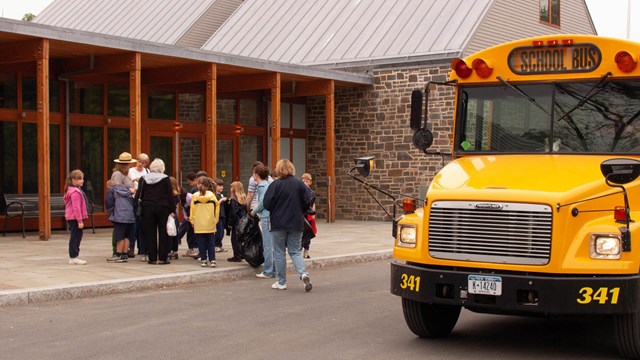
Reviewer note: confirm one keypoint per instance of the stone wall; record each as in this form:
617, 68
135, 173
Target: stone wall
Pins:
375, 121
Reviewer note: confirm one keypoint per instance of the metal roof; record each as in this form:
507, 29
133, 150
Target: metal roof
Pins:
334, 32
161, 21
73, 43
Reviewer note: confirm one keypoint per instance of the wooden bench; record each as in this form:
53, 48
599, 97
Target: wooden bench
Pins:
26, 206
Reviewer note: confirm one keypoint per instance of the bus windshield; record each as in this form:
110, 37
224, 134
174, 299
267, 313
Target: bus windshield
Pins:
562, 117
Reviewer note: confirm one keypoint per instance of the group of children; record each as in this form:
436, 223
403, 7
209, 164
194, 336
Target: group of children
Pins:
207, 215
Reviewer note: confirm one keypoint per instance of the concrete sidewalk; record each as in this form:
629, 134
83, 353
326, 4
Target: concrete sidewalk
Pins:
33, 271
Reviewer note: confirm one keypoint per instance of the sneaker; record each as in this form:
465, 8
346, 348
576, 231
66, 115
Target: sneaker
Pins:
234, 259
124, 258
143, 257
305, 254
203, 263
131, 253
77, 261
115, 259
212, 263
264, 276
278, 286
307, 282
195, 254
221, 249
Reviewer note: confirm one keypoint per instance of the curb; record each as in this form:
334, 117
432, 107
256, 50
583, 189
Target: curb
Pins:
110, 287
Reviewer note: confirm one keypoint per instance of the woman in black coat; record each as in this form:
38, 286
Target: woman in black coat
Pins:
158, 203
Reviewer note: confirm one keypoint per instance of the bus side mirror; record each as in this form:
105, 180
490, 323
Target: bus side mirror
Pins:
620, 171
416, 109
364, 165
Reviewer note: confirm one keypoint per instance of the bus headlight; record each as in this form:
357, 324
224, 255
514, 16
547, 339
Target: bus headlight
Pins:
406, 235
605, 246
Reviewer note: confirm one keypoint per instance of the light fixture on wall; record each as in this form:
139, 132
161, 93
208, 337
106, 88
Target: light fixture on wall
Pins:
177, 125
22, 115
107, 120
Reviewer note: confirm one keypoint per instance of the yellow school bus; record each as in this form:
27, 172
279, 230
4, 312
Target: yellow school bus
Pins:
538, 212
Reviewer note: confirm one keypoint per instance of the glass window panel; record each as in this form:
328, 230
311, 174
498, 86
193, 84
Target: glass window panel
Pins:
190, 157
86, 153
285, 115
299, 120
285, 146
226, 111
54, 158
250, 112
30, 95
162, 105
119, 141
86, 98
9, 156
191, 107
544, 10
162, 148
299, 157
8, 91
224, 162
118, 100
29, 158
251, 150
30, 166
54, 95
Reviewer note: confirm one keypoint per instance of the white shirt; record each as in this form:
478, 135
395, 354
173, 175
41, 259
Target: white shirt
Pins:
134, 174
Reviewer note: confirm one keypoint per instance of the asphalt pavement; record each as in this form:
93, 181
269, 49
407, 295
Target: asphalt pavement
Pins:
32, 270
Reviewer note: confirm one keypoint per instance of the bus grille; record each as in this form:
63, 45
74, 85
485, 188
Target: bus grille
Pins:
508, 233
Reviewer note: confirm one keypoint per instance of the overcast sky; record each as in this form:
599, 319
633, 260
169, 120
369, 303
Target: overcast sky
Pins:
609, 16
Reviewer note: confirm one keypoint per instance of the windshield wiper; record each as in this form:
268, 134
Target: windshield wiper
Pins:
523, 94
587, 96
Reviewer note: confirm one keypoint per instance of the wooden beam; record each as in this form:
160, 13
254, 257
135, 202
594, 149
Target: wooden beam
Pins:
249, 82
44, 161
275, 121
308, 88
20, 51
176, 75
103, 64
211, 137
331, 153
135, 108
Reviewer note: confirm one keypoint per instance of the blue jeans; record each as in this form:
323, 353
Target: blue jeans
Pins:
291, 240
267, 244
205, 244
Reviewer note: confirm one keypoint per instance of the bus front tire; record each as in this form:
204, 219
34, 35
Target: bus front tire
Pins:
430, 320
627, 333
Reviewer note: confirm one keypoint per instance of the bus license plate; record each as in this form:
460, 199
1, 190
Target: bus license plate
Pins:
485, 285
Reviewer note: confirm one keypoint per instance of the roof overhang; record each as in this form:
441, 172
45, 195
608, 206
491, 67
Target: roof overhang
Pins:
73, 43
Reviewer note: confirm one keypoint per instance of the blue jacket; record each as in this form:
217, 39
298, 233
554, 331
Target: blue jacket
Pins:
261, 190
119, 205
287, 200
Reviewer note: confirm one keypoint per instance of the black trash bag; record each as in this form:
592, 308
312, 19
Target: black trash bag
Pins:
250, 239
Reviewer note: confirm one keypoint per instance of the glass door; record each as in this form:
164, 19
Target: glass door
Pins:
162, 145
226, 158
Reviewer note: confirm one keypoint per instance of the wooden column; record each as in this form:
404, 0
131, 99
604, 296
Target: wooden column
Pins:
44, 174
275, 121
331, 152
135, 95
212, 122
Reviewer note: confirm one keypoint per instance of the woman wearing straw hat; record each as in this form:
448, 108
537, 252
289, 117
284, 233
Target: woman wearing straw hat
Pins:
120, 207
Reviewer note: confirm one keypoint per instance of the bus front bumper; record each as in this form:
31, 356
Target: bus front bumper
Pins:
495, 292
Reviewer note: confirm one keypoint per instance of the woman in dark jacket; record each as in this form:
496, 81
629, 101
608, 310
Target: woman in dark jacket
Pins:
158, 203
287, 200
